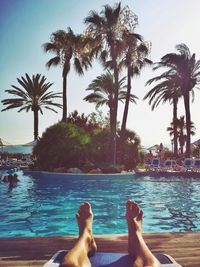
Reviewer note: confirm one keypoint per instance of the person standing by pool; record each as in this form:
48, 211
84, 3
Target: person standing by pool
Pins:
149, 157
85, 246
161, 153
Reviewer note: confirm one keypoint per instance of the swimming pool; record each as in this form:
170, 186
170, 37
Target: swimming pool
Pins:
45, 205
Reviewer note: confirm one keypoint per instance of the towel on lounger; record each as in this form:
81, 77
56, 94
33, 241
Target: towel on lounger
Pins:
108, 259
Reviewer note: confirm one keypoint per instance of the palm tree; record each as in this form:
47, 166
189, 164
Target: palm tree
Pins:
106, 30
33, 95
184, 65
131, 156
181, 127
134, 60
103, 88
68, 47
167, 90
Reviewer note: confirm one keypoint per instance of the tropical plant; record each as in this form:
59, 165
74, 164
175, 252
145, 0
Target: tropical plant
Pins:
106, 31
75, 146
167, 90
181, 134
187, 70
135, 58
103, 88
68, 147
68, 47
33, 95
132, 154
83, 121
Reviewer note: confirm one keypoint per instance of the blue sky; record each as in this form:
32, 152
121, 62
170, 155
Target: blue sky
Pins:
25, 25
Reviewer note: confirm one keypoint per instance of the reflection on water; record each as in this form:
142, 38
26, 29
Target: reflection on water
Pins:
44, 206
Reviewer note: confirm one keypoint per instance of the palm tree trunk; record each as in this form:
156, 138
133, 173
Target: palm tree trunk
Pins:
188, 122
114, 126
112, 132
35, 114
64, 118
175, 127
125, 114
181, 141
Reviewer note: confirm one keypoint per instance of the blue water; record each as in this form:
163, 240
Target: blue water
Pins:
17, 149
46, 206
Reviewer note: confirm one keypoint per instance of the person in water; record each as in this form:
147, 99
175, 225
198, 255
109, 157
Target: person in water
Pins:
85, 246
13, 180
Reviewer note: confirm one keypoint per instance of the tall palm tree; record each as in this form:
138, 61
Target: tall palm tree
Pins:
135, 58
68, 47
103, 93
166, 91
33, 95
187, 69
106, 30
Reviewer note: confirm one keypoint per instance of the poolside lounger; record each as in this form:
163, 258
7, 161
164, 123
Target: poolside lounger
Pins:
169, 164
188, 164
196, 165
108, 259
155, 164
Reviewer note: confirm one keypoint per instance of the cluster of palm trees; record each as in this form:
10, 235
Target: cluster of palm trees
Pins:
110, 36
180, 133
181, 77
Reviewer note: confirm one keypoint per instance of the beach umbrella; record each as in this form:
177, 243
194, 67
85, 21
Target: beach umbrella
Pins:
197, 143
155, 147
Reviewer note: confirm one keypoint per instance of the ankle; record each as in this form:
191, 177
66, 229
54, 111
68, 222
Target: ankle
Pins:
134, 232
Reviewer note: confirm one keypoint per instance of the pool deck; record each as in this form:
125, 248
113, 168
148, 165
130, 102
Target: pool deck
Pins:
35, 251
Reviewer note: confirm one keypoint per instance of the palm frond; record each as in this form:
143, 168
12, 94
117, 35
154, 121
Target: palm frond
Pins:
78, 66
93, 19
53, 61
50, 47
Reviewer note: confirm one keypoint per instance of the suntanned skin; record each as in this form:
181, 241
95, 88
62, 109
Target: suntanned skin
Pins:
86, 246
137, 247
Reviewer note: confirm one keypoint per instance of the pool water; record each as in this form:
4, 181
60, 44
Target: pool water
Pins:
46, 205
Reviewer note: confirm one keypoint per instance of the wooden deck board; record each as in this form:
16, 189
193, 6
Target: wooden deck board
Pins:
35, 251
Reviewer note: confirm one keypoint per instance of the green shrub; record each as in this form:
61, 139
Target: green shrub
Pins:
84, 143
62, 145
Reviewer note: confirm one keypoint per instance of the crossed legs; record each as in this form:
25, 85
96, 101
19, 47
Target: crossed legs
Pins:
86, 246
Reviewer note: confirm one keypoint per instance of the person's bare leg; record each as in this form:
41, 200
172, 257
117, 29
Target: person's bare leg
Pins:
85, 245
137, 247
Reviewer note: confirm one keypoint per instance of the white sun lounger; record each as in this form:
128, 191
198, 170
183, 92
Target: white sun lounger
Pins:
187, 164
196, 165
169, 164
155, 164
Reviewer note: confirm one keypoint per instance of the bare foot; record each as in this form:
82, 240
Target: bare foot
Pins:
134, 222
137, 247
133, 216
84, 218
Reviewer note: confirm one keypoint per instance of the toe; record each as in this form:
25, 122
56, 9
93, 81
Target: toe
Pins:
135, 209
128, 203
140, 215
84, 209
81, 209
